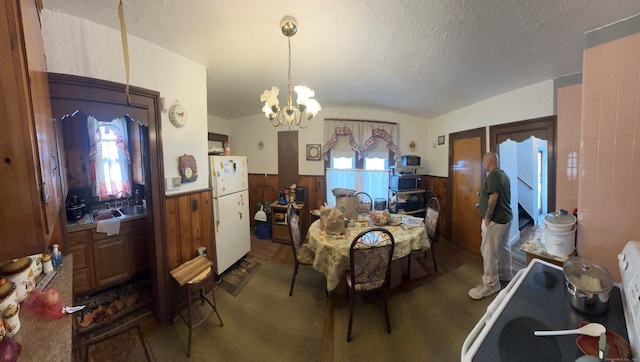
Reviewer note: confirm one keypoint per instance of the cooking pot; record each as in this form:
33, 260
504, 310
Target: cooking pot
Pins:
75, 209
559, 222
588, 285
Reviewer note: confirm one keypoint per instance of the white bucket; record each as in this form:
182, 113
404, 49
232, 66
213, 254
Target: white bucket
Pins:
560, 243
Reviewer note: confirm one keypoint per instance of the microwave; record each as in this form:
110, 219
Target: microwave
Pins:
404, 182
410, 160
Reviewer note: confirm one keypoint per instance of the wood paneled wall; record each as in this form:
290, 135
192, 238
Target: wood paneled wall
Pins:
316, 191
314, 184
188, 226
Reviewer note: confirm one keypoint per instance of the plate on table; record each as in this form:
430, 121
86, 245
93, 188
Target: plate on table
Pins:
412, 221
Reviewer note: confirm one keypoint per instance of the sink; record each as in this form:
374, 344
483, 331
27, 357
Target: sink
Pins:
106, 214
134, 210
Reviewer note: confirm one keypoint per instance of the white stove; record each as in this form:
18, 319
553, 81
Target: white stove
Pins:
535, 300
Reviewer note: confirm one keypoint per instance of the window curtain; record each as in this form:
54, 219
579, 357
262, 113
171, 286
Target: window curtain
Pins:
374, 183
109, 157
362, 135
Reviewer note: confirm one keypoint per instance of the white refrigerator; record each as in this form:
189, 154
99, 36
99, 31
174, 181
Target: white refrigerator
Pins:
231, 219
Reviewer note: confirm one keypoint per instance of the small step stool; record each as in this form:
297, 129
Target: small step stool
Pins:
193, 275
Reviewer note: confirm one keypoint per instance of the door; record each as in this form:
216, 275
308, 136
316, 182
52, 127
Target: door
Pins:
228, 174
465, 177
233, 239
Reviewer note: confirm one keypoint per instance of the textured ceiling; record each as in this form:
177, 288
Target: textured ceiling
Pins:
423, 58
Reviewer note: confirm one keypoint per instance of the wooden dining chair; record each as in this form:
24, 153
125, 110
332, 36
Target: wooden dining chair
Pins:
302, 254
370, 259
432, 215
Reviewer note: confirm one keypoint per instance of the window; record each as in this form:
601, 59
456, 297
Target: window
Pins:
358, 155
371, 177
109, 157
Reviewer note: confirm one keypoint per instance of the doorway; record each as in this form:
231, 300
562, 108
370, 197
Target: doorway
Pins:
70, 93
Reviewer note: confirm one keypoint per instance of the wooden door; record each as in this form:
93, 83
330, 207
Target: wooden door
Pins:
465, 177
111, 258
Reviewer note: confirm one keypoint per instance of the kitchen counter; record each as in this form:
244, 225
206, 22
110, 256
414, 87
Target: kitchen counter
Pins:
44, 339
87, 222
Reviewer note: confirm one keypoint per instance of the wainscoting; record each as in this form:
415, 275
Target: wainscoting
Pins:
316, 191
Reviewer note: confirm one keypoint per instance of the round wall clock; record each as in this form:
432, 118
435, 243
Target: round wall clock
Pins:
178, 115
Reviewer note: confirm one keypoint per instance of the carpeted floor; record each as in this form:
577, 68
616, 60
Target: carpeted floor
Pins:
428, 323
126, 345
238, 275
261, 324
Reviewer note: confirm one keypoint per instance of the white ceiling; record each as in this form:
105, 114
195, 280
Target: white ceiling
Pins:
423, 58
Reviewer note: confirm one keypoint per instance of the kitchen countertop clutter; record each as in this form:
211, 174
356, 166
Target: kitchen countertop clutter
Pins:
43, 338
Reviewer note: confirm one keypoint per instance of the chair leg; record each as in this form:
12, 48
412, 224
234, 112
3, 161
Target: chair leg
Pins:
293, 279
351, 303
189, 322
433, 256
386, 311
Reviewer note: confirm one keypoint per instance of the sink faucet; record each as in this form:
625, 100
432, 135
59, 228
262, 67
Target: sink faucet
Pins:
122, 195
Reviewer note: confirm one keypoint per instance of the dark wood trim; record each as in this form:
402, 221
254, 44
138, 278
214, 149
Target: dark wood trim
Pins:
478, 132
217, 137
544, 128
358, 120
73, 90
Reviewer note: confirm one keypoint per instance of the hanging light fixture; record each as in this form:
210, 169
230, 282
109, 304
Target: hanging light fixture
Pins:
291, 115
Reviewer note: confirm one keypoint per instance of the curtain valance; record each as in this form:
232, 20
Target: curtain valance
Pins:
361, 133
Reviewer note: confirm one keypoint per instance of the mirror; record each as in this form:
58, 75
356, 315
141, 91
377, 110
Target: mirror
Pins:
104, 158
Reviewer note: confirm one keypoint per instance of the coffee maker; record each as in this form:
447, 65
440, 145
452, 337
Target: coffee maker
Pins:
282, 197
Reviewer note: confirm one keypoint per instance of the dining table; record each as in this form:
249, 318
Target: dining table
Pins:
332, 251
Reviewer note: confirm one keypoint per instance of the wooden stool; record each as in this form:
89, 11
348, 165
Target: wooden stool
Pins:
194, 274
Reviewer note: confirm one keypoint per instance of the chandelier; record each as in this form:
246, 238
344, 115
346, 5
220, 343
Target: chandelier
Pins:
306, 107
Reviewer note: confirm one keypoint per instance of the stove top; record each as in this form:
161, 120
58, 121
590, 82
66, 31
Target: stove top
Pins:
537, 302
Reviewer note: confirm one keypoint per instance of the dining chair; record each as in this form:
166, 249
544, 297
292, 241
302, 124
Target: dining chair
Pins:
302, 254
431, 217
370, 260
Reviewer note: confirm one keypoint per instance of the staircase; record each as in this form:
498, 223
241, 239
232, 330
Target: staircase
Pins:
524, 219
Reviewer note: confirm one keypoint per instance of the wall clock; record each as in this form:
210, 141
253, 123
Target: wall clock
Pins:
188, 168
178, 115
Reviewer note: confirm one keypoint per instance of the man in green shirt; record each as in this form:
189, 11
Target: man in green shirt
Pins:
495, 210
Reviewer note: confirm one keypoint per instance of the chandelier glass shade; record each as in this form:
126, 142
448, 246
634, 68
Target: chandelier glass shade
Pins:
305, 108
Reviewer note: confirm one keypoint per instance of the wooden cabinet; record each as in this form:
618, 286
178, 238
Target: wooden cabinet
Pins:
280, 225
100, 260
111, 258
30, 184
80, 245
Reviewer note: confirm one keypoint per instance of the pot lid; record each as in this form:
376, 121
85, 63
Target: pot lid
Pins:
587, 274
6, 289
16, 266
558, 218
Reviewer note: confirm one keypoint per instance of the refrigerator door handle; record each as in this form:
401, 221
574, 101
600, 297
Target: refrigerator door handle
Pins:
216, 213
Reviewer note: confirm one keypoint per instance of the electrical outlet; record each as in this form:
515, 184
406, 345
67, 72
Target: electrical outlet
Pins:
194, 205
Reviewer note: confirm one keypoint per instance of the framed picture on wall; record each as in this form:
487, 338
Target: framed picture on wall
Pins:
440, 140
313, 152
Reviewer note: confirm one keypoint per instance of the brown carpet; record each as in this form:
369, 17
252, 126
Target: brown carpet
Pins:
428, 323
126, 345
238, 275
261, 324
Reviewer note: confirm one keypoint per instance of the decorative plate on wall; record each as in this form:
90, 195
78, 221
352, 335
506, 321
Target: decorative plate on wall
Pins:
313, 152
413, 146
188, 168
